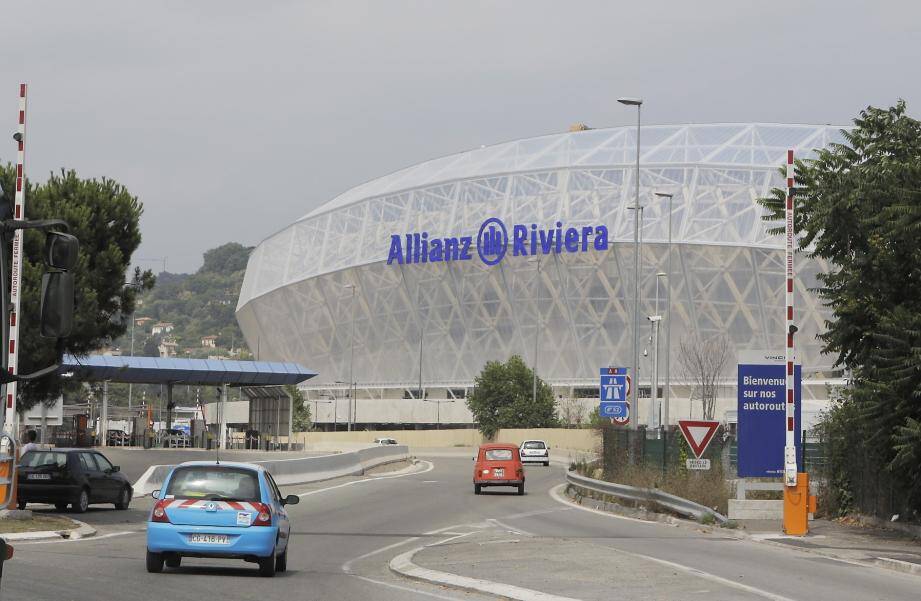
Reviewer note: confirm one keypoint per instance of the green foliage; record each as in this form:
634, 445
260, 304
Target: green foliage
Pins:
301, 420
858, 206
502, 398
199, 304
105, 217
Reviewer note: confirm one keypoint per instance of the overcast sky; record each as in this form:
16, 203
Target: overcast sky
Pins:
231, 119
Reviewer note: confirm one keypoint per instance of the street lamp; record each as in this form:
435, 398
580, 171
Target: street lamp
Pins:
668, 312
655, 319
350, 384
316, 412
438, 403
536, 333
351, 357
638, 103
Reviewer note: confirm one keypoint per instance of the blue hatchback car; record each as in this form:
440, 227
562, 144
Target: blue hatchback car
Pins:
225, 510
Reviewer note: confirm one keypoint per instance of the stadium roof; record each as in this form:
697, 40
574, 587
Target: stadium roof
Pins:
158, 370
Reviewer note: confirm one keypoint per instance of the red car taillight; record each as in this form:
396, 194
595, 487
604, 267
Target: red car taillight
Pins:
159, 512
264, 518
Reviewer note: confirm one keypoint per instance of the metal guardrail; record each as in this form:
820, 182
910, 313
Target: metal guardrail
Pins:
644, 495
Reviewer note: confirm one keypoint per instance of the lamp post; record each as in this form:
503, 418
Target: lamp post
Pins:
638, 103
137, 286
536, 334
668, 313
655, 319
350, 385
438, 403
351, 357
316, 412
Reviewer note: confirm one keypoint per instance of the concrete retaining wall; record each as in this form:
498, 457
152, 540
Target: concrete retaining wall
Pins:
584, 440
299, 470
755, 510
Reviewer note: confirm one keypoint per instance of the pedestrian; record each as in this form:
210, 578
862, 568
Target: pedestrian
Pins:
30, 445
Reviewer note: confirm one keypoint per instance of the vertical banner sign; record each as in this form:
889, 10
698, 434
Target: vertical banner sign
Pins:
790, 454
763, 414
613, 391
16, 270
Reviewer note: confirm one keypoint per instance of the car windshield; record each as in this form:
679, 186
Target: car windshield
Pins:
214, 483
498, 454
43, 458
534, 444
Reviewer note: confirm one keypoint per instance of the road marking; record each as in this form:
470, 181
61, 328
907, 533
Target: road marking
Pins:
347, 566
529, 514
429, 481
453, 538
430, 467
404, 588
701, 574
511, 529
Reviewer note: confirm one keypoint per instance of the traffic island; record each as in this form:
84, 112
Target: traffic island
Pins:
24, 525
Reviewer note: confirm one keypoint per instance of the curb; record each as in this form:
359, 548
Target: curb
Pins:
403, 565
82, 530
898, 565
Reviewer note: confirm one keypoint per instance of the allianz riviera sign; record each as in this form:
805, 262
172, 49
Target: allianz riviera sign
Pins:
492, 243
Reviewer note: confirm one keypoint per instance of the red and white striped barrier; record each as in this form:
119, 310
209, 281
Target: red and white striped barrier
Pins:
16, 271
790, 444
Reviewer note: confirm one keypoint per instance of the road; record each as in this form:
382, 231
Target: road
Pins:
345, 532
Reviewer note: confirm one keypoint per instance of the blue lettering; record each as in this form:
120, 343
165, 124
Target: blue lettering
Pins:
396, 251
601, 237
586, 233
436, 253
572, 240
546, 241
520, 234
465, 248
451, 251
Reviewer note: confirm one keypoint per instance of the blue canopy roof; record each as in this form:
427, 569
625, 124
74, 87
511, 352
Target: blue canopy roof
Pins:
158, 370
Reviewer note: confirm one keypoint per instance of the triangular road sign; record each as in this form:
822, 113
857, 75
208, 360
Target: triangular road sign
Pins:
698, 433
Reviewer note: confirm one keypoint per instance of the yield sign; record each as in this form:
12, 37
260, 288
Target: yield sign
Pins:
698, 433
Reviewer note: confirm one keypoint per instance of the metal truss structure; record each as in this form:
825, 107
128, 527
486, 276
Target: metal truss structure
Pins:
728, 276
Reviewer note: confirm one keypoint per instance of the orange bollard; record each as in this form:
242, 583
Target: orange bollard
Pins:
797, 505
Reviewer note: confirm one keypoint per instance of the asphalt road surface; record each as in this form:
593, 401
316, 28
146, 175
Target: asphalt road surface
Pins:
345, 532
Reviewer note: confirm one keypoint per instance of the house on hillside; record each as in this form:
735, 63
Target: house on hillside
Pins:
168, 347
161, 328
209, 341
143, 322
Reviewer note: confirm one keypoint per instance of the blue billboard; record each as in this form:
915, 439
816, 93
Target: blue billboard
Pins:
762, 419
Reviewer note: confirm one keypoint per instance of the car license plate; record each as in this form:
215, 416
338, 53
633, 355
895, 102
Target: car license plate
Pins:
39, 477
209, 539
499, 472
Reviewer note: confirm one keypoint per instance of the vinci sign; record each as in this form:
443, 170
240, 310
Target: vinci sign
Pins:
493, 243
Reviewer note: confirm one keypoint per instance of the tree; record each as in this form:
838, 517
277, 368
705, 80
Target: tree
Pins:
104, 216
704, 363
301, 419
858, 205
502, 398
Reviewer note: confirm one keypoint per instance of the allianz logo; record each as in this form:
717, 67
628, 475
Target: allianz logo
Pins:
492, 243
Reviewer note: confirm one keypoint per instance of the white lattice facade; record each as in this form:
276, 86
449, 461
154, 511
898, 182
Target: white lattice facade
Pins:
727, 271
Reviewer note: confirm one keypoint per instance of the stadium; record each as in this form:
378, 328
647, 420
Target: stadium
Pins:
408, 284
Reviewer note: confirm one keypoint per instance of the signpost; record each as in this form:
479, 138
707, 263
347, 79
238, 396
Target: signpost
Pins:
762, 413
698, 433
613, 390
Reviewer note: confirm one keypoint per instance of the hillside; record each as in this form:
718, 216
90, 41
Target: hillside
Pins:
178, 314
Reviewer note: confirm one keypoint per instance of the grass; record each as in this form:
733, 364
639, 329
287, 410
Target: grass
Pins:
38, 523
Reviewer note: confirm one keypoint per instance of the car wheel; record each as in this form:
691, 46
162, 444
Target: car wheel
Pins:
82, 502
124, 499
173, 561
267, 565
546, 464
60, 506
520, 489
281, 562
154, 562
477, 489
21, 504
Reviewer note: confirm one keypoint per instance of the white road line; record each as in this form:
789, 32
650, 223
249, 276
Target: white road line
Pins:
511, 529
405, 588
557, 496
529, 514
347, 566
430, 467
453, 538
701, 574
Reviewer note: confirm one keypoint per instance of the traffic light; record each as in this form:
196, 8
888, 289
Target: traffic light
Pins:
57, 311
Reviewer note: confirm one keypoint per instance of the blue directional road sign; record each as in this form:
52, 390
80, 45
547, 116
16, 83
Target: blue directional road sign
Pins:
613, 391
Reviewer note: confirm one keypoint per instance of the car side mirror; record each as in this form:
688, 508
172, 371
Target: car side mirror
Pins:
115, 468
291, 500
155, 494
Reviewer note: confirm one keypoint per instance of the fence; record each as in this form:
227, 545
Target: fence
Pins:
626, 448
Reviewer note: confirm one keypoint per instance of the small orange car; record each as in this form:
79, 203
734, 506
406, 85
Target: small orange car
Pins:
498, 465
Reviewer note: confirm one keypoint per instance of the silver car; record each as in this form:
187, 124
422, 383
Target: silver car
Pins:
535, 451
